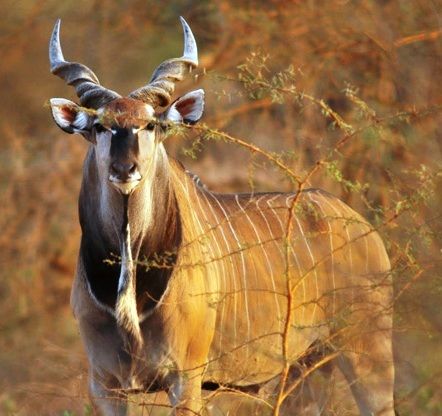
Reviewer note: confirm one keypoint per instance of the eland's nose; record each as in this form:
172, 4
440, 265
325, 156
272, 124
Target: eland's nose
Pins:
123, 170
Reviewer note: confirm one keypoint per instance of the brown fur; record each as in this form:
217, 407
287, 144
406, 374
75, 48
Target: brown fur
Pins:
125, 112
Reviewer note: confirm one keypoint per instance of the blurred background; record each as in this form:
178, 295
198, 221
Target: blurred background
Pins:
292, 77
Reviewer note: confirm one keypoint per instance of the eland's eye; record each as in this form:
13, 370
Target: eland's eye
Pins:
99, 128
150, 126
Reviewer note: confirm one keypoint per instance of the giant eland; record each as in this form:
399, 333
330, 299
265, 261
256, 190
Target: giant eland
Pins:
206, 290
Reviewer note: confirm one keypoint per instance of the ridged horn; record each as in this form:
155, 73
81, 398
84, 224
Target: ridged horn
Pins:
83, 79
159, 90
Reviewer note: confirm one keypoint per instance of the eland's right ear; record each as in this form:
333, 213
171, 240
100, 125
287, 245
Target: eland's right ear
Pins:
186, 109
70, 118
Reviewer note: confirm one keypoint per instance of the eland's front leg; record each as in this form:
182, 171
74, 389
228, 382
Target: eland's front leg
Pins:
185, 394
109, 363
106, 395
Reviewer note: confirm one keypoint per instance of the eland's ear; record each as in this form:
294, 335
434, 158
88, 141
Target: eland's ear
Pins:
186, 109
70, 118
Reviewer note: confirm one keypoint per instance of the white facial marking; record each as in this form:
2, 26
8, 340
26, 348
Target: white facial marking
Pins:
150, 110
102, 151
128, 186
146, 135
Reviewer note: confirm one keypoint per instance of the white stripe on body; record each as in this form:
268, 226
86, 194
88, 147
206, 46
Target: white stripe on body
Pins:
243, 269
314, 266
349, 242
283, 231
220, 255
261, 244
229, 253
330, 232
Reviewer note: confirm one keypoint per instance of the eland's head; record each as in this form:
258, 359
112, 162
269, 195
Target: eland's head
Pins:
126, 131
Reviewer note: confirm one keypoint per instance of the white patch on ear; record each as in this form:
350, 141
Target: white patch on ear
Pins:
82, 121
69, 117
188, 108
173, 115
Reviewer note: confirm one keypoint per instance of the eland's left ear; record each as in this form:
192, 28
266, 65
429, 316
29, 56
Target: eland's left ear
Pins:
186, 109
70, 118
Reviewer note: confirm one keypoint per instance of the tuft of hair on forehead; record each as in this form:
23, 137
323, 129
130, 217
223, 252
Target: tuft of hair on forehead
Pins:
125, 112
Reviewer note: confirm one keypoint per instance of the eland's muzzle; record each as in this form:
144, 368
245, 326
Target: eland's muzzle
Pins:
123, 171
124, 176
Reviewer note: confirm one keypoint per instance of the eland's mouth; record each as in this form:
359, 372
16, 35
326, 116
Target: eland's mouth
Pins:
127, 185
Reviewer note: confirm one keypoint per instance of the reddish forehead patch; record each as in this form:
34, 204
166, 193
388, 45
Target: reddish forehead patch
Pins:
126, 112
